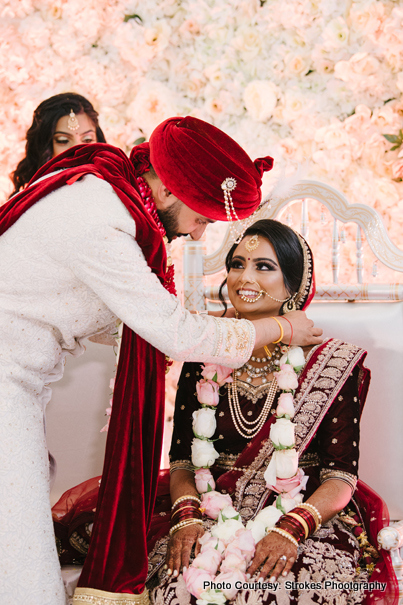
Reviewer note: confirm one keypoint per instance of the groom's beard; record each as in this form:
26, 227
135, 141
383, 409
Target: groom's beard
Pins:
170, 219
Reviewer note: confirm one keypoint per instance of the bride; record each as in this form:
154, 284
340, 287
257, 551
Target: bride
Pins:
321, 550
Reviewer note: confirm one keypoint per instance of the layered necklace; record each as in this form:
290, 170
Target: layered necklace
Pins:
271, 365
249, 428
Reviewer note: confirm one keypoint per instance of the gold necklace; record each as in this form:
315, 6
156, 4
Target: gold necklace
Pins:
249, 428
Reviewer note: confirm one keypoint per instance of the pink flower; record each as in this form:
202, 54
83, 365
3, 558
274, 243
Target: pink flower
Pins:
233, 559
230, 577
397, 169
209, 560
195, 579
291, 486
207, 392
223, 373
285, 405
203, 479
213, 502
245, 542
287, 379
208, 541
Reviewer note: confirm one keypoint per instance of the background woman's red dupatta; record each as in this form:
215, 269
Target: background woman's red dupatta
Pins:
117, 558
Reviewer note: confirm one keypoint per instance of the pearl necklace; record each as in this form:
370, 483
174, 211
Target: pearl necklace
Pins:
249, 428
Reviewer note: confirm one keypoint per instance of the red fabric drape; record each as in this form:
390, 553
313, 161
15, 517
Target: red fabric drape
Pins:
117, 559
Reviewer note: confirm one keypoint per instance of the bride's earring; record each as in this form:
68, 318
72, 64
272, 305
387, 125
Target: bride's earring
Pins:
289, 305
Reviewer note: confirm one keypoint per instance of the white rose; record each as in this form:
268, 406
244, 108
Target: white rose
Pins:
335, 34
226, 531
295, 357
282, 432
283, 464
266, 518
290, 503
229, 512
203, 453
204, 422
260, 99
212, 597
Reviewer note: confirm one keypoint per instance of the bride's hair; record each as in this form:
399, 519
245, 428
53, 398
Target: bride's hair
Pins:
287, 248
39, 145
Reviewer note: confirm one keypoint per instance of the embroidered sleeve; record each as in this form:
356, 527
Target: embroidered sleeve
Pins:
339, 433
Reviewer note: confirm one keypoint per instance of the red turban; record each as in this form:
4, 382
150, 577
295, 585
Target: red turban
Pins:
193, 158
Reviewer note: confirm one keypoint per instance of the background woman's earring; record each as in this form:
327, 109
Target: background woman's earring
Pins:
289, 305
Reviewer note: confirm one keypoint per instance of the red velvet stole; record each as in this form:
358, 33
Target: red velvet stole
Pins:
117, 558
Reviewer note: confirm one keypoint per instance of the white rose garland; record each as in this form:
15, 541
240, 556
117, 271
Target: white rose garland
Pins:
229, 547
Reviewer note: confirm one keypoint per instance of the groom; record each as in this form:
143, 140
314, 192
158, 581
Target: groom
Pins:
96, 224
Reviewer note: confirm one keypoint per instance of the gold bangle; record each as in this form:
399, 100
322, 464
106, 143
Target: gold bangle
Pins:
283, 533
302, 521
182, 498
183, 524
281, 331
314, 511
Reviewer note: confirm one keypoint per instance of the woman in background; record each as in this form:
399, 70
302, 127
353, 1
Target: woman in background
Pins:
59, 122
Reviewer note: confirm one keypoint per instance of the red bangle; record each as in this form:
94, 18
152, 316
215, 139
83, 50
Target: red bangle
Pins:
292, 331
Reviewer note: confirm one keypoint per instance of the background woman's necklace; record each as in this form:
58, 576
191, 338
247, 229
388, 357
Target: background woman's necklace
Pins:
249, 428
271, 365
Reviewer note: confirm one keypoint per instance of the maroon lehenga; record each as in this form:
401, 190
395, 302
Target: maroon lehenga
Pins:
329, 401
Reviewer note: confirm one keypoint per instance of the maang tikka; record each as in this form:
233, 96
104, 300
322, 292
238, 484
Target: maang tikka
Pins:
72, 122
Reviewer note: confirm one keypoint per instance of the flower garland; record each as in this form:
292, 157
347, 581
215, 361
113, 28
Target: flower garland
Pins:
228, 549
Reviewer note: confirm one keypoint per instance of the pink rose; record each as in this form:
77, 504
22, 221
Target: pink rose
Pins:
209, 560
230, 577
287, 379
207, 392
203, 479
223, 373
397, 169
292, 485
285, 405
194, 580
208, 541
233, 559
245, 542
213, 502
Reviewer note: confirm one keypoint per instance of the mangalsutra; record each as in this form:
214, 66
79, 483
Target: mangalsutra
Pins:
271, 362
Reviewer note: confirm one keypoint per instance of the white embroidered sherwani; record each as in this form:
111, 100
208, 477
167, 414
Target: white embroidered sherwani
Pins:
70, 266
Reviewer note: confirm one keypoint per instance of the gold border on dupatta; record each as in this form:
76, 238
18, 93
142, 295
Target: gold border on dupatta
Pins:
92, 596
312, 403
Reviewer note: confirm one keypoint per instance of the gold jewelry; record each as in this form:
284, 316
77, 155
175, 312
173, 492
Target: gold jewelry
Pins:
261, 292
252, 243
289, 305
182, 498
248, 429
267, 351
281, 331
228, 185
302, 521
316, 514
185, 523
272, 297
283, 533
72, 122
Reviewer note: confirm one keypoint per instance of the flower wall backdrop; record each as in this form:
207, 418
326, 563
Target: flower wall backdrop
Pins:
315, 80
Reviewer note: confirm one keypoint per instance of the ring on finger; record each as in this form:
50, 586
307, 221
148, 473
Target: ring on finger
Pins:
283, 558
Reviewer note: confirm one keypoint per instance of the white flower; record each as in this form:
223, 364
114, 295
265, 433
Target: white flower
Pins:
266, 518
283, 464
203, 453
157, 37
204, 422
226, 531
295, 357
290, 503
282, 432
335, 34
212, 596
229, 512
153, 104
260, 98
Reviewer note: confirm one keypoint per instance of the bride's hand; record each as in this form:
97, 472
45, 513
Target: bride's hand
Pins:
180, 546
269, 555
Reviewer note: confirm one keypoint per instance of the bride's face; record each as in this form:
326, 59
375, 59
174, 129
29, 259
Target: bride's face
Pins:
250, 273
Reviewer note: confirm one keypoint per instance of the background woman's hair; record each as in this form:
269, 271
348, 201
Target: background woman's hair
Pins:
39, 145
287, 248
